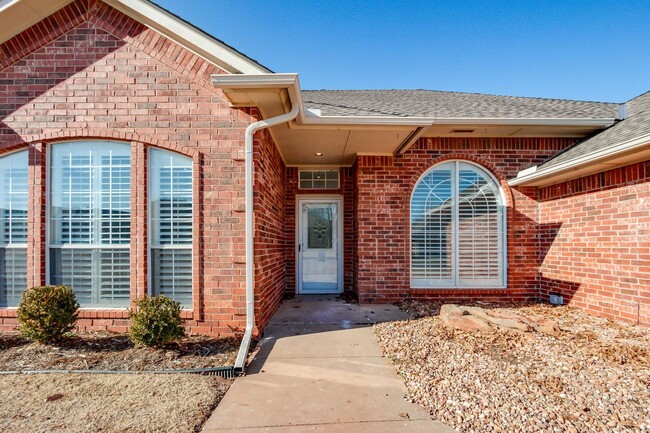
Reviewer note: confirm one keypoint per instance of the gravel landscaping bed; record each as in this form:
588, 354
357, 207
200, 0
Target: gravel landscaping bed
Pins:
111, 351
593, 377
76, 403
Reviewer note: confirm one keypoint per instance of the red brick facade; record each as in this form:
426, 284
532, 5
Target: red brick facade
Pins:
91, 72
382, 215
595, 237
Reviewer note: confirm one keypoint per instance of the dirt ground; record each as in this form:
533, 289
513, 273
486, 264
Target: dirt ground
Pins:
110, 403
107, 403
111, 351
593, 377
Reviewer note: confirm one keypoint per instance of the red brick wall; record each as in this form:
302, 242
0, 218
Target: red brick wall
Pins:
346, 190
270, 235
382, 208
595, 247
91, 72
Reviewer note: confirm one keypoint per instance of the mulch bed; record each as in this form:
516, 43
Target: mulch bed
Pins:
593, 376
111, 351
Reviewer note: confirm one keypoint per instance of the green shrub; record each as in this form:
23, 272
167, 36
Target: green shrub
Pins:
47, 313
156, 321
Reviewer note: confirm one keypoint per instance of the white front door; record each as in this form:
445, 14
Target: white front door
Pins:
320, 246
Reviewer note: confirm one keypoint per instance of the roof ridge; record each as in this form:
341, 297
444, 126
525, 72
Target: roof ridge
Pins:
468, 93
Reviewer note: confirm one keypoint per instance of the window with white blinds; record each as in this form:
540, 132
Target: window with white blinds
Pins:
13, 223
90, 221
171, 216
457, 228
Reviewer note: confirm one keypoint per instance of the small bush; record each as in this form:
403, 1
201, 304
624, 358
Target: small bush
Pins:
47, 313
156, 321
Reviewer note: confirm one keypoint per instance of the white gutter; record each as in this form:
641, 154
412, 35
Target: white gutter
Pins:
532, 174
312, 119
240, 363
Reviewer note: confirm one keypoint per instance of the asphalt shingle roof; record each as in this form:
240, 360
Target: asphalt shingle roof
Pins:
637, 124
431, 103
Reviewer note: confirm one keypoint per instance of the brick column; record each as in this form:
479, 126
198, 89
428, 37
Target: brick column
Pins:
36, 223
138, 221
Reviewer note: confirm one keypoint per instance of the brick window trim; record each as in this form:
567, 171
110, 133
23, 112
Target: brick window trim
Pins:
36, 246
508, 237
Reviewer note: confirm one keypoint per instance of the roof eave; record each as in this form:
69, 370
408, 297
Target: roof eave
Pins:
624, 153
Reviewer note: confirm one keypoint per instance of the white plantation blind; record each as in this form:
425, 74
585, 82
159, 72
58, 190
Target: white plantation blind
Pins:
171, 216
457, 228
90, 221
13, 223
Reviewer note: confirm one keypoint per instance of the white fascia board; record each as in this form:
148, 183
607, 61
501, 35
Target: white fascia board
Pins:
255, 81
524, 177
602, 122
192, 39
311, 119
428, 121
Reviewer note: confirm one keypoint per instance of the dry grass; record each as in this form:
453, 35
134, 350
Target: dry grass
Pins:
110, 402
107, 403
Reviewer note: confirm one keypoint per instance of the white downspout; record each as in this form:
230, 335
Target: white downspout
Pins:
240, 363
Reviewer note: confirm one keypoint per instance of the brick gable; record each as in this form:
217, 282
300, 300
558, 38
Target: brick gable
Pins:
90, 71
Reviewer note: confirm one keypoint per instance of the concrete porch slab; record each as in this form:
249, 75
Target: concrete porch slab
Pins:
319, 368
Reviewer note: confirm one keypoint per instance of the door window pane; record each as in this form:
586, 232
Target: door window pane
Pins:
319, 223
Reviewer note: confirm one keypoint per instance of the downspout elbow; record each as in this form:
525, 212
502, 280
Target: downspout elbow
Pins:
240, 363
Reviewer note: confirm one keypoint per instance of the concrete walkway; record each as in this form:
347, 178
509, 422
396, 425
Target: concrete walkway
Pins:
319, 368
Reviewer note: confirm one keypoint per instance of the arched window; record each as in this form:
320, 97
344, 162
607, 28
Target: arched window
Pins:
13, 224
90, 221
457, 228
171, 216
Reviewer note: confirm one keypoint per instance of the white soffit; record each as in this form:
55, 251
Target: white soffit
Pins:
19, 15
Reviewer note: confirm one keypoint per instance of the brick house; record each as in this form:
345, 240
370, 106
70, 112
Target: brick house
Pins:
140, 156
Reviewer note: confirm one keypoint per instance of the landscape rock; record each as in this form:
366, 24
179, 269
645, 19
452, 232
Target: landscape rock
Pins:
467, 318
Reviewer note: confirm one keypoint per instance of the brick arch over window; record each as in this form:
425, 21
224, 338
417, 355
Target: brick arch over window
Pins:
457, 227
100, 134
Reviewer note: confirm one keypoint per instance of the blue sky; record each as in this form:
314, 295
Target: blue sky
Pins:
589, 50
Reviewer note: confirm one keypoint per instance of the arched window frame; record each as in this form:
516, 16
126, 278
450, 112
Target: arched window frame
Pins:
455, 282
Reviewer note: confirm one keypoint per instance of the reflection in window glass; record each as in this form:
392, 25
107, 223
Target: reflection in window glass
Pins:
13, 223
90, 221
171, 216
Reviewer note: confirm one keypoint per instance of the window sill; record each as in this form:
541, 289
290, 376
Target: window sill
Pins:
95, 313
459, 289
